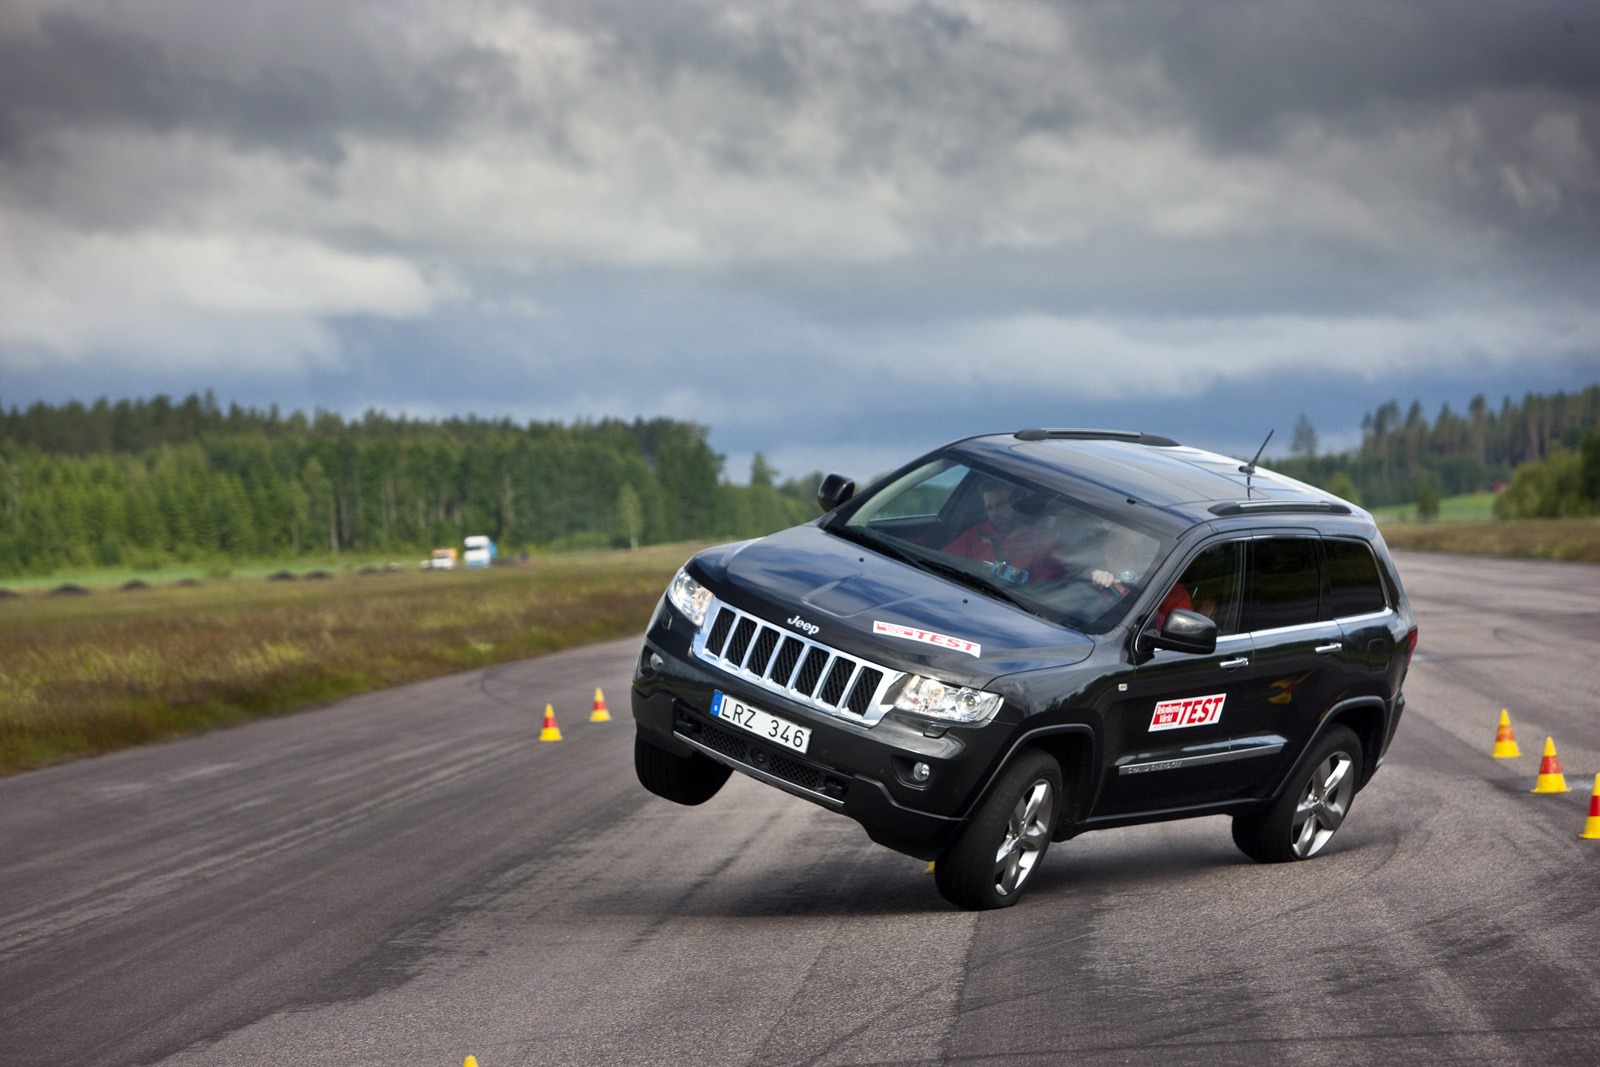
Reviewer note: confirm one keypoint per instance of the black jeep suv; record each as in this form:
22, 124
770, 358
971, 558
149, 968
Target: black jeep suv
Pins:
1025, 636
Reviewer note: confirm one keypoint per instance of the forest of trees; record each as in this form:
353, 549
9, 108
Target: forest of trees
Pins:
1404, 458
141, 483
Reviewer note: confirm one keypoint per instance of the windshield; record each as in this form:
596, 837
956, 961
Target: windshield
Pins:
1010, 539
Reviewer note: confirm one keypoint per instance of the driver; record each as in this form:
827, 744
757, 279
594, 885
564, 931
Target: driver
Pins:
1127, 555
1005, 536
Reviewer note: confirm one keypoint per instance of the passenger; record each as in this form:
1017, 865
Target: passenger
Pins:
1177, 597
1006, 536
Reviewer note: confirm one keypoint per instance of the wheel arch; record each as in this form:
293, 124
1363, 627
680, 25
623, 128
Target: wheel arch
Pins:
1073, 747
1366, 717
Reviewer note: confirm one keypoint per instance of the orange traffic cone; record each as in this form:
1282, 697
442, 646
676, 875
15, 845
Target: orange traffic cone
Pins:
599, 714
1505, 742
1591, 827
550, 732
471, 1061
1551, 780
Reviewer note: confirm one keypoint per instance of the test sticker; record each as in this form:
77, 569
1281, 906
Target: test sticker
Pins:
1190, 711
911, 633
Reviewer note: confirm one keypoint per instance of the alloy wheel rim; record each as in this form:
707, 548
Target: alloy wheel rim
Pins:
1027, 834
1323, 805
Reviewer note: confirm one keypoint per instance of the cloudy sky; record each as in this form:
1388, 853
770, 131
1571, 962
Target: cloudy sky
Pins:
834, 232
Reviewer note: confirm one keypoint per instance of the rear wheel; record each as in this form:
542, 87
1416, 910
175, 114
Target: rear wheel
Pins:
1301, 822
1002, 845
691, 779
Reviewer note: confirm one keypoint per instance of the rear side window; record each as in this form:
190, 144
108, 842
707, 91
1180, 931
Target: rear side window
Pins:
1284, 583
1353, 585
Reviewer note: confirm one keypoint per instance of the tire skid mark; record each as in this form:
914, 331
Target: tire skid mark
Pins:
114, 896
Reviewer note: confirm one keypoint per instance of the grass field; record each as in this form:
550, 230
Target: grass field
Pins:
1466, 525
1563, 539
109, 668
1472, 507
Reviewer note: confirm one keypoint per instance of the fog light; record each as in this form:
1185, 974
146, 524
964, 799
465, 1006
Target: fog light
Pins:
656, 662
921, 772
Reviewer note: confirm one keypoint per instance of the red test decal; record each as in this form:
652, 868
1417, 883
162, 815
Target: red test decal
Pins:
911, 633
1189, 711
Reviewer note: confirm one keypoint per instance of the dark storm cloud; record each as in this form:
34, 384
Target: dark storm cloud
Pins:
1245, 71
300, 96
920, 80
830, 225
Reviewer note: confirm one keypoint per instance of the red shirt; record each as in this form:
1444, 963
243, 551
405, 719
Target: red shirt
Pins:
1177, 598
1026, 547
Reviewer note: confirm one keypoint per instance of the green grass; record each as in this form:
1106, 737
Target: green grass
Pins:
1471, 507
110, 668
112, 577
1466, 525
1562, 539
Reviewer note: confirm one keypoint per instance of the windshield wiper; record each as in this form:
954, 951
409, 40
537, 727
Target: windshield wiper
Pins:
973, 580
932, 563
877, 544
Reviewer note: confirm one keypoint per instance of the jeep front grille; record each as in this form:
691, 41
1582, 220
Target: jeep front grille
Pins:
793, 666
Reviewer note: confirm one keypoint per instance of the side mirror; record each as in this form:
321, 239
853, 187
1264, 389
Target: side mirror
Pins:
834, 490
1183, 631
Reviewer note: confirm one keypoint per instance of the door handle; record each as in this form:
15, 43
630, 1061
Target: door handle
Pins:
1323, 650
1230, 664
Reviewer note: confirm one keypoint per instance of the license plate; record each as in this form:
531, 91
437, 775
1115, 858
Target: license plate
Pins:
761, 723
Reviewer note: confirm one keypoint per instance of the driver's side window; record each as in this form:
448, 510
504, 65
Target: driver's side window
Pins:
1213, 581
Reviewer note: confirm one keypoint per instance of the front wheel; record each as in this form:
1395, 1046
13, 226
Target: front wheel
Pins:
1298, 824
692, 779
1002, 845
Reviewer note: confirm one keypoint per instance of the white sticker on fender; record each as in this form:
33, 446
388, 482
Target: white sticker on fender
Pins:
1191, 711
911, 633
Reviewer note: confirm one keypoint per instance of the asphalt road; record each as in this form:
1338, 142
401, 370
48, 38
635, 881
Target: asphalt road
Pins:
411, 877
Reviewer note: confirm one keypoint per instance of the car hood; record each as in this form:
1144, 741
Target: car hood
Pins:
886, 610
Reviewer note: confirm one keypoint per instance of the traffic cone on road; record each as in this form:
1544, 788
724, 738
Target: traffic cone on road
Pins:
1505, 742
599, 714
1591, 827
550, 732
1551, 780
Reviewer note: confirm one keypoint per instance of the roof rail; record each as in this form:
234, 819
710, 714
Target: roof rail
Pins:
1250, 507
1070, 434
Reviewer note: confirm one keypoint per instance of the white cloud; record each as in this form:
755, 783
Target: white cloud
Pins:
1106, 359
174, 298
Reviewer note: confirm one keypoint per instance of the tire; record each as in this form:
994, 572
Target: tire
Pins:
1003, 843
689, 780
1300, 822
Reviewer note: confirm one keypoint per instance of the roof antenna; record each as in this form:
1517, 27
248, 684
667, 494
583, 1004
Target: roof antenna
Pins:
1249, 469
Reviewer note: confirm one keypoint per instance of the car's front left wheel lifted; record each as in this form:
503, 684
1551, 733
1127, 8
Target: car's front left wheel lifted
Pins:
1002, 845
1300, 822
691, 779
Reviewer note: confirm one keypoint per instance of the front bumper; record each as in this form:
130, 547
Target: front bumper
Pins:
862, 771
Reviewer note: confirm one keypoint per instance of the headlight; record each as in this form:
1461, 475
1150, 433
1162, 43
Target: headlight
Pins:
936, 700
689, 597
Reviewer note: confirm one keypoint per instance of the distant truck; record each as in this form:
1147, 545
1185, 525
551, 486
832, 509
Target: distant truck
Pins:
443, 559
480, 551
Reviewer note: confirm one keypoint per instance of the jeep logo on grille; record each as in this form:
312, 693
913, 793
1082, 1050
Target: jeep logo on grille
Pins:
807, 628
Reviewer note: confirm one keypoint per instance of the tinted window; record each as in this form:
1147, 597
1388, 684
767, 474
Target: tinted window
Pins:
1284, 583
1212, 583
1354, 587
